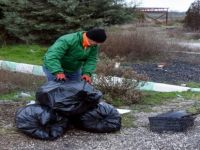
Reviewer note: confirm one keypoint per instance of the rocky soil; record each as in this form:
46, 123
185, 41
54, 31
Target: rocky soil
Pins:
138, 137
170, 72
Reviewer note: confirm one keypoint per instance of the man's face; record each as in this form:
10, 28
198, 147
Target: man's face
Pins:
92, 43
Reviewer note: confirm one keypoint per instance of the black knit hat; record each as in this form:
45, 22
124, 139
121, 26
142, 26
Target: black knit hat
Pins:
97, 35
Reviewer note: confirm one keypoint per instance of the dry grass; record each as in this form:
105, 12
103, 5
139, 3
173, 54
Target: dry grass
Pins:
134, 45
182, 33
175, 33
12, 81
148, 43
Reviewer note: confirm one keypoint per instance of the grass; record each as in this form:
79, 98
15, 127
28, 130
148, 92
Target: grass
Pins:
193, 84
157, 98
15, 96
127, 121
150, 99
191, 95
194, 109
31, 54
117, 102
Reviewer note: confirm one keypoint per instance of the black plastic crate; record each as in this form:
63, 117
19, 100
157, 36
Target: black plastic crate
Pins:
177, 121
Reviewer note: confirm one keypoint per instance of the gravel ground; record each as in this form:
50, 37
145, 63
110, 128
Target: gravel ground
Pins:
172, 72
139, 137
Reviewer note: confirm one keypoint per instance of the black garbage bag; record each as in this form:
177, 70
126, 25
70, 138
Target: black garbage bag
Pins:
69, 97
102, 119
40, 122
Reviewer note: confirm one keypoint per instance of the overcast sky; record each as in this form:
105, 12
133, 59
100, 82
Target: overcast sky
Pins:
173, 5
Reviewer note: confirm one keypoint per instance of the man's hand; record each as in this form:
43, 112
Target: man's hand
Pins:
87, 78
60, 77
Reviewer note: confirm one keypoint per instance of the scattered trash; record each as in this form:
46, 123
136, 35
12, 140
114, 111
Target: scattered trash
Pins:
31, 102
32, 50
161, 65
178, 95
184, 84
123, 111
23, 95
117, 64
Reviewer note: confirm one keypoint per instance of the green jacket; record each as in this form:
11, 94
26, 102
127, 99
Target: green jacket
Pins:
68, 55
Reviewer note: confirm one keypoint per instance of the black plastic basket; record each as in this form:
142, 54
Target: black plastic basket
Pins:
176, 121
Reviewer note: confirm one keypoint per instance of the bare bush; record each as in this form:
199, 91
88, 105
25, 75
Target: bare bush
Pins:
134, 45
117, 90
12, 81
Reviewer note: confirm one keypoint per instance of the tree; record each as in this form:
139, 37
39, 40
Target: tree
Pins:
192, 19
45, 20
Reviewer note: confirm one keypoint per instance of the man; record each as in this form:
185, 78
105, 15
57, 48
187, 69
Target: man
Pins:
74, 56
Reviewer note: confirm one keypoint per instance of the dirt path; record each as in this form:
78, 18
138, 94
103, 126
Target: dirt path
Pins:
138, 137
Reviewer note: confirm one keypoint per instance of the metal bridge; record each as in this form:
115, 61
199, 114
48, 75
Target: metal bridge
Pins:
148, 11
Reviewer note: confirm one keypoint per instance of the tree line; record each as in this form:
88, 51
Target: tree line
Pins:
42, 21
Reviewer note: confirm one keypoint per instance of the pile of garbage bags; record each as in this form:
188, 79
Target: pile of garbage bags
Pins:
62, 105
